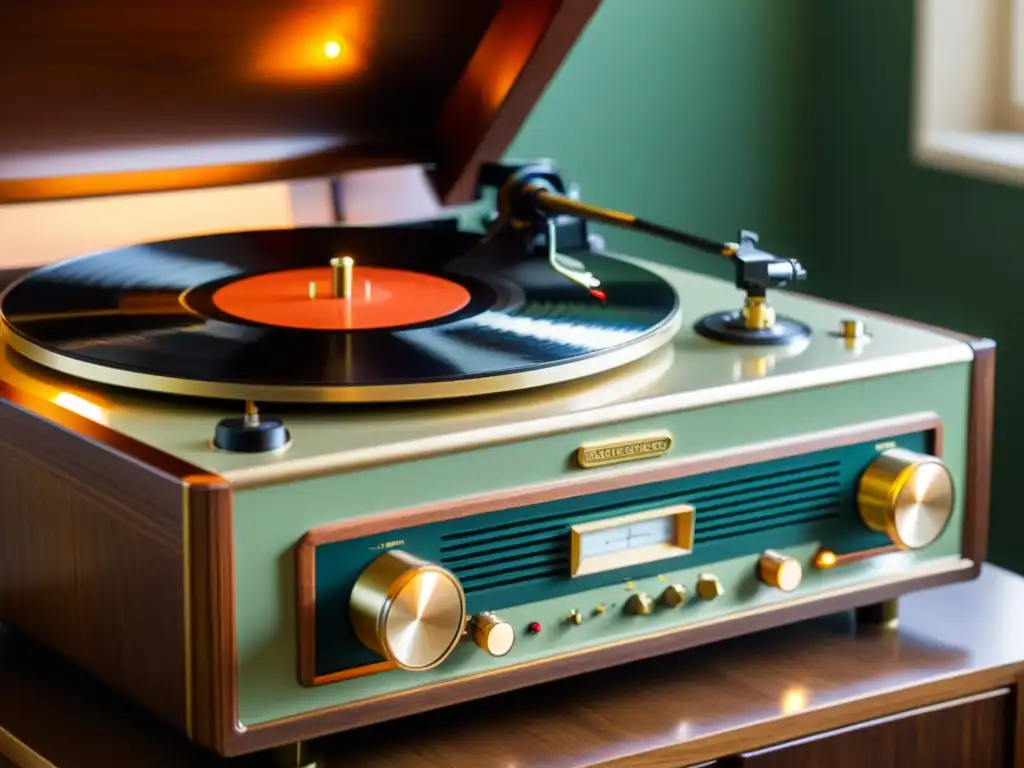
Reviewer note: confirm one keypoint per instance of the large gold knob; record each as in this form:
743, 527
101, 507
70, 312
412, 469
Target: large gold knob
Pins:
407, 610
908, 496
493, 634
780, 571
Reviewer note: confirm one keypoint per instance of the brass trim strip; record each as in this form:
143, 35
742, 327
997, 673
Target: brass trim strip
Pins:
354, 672
20, 753
483, 385
826, 559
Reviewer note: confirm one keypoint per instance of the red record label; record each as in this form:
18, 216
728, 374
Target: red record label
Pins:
381, 298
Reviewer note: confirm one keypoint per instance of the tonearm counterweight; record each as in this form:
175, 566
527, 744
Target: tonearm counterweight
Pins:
530, 195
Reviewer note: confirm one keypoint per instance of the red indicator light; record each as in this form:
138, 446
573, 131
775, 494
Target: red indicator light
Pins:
534, 628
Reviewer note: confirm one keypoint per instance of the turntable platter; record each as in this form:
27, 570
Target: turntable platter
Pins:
251, 315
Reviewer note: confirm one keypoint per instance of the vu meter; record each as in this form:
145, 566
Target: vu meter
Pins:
642, 537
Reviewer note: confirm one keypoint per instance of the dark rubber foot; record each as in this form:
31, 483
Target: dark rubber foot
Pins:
729, 327
233, 434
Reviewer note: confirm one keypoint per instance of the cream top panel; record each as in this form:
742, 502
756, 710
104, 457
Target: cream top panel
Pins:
690, 372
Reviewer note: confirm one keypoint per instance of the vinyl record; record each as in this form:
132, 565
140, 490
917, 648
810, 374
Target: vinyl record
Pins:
251, 315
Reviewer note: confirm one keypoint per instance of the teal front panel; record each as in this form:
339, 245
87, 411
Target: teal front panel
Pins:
521, 555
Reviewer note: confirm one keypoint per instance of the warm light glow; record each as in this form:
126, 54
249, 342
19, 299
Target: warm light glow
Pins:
332, 49
794, 700
81, 406
323, 42
825, 559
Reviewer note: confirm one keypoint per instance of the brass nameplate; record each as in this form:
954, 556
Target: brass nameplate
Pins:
590, 455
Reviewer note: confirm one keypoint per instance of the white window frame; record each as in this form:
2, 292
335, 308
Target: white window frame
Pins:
968, 114
1016, 55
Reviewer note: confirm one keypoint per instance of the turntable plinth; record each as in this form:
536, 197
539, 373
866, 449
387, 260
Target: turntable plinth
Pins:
236, 569
426, 404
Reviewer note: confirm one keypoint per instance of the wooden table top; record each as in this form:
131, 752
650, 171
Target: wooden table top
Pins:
666, 712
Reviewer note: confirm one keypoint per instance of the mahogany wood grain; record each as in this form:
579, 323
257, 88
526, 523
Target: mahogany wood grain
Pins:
723, 701
976, 731
116, 96
94, 553
214, 650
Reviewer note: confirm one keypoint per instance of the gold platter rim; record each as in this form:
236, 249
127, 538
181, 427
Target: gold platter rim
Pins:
559, 373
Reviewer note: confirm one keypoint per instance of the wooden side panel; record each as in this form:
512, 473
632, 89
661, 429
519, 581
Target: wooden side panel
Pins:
973, 732
214, 651
979, 451
91, 553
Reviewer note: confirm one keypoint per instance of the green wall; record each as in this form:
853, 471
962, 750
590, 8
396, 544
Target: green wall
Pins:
687, 112
897, 237
792, 117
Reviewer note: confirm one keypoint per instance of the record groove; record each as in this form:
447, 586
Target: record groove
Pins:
148, 317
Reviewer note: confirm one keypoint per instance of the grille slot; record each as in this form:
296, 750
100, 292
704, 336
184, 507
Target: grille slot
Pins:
537, 548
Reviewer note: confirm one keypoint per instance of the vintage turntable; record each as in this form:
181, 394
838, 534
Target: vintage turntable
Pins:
277, 484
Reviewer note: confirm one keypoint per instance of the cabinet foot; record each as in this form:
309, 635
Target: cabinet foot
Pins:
885, 614
297, 755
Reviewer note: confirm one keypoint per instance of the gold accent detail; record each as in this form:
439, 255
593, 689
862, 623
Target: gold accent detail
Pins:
623, 449
709, 587
826, 559
387, 393
568, 207
780, 571
352, 673
681, 545
941, 565
21, 754
575, 617
908, 496
757, 314
493, 635
407, 610
640, 604
312, 289
599, 609
673, 596
341, 276
852, 329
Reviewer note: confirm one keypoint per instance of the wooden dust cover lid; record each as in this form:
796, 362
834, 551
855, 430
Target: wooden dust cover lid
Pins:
105, 97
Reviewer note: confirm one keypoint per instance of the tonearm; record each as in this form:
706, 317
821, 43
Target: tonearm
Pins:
530, 196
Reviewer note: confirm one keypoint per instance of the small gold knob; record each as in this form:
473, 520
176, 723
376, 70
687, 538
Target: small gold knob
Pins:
493, 634
908, 496
575, 617
709, 587
640, 604
673, 596
780, 571
407, 610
